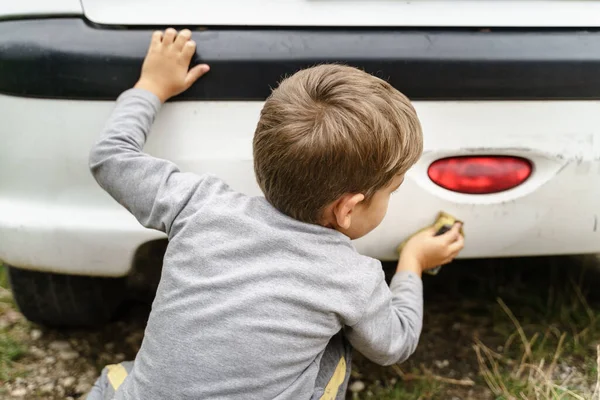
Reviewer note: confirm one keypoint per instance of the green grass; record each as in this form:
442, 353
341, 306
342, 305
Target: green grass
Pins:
3, 277
10, 351
5, 296
551, 349
417, 390
11, 347
533, 327
539, 354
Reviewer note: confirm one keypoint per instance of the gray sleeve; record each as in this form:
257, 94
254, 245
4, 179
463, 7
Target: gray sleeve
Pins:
152, 189
389, 329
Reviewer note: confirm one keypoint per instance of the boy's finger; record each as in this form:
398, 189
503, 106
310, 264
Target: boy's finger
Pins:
182, 38
188, 51
453, 234
195, 73
157, 37
455, 247
169, 36
430, 231
447, 261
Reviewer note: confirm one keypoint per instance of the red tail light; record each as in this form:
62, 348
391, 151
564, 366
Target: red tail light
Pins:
481, 174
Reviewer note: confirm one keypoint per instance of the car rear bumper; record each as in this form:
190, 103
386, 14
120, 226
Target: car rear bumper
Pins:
57, 91
54, 217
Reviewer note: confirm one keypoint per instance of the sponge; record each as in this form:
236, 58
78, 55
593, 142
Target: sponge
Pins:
443, 223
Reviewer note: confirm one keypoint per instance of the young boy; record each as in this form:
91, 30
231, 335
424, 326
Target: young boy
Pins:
264, 298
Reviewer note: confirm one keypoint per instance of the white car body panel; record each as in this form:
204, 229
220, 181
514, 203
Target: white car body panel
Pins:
32, 8
54, 217
422, 13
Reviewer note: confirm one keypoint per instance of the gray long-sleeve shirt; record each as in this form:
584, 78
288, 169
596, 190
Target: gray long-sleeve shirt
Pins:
248, 297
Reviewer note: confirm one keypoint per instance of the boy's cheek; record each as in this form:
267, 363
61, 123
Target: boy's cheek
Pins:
376, 219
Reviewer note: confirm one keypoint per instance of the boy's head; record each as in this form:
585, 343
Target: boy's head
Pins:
332, 144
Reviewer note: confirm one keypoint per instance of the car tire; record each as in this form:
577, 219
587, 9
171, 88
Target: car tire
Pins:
60, 300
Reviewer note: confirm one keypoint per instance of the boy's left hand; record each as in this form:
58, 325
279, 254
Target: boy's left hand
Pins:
165, 71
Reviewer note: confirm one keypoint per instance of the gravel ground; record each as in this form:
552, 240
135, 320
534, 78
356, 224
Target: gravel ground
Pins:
64, 364
461, 308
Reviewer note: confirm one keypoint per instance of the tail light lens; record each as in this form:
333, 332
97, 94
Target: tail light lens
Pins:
481, 174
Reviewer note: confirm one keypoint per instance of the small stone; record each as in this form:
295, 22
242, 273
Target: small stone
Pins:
68, 382
500, 348
47, 388
60, 345
109, 346
37, 352
393, 381
69, 398
43, 371
357, 386
49, 360
44, 380
35, 334
19, 381
20, 392
134, 340
91, 374
119, 357
11, 316
83, 387
441, 364
68, 355
456, 326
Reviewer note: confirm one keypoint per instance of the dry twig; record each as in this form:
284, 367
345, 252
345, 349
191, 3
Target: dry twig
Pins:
430, 376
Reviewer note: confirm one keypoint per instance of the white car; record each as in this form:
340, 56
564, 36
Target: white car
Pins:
507, 91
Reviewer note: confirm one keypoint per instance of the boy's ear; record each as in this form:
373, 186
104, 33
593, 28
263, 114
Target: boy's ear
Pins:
344, 208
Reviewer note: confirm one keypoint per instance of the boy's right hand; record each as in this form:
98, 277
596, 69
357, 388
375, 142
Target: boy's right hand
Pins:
166, 70
426, 251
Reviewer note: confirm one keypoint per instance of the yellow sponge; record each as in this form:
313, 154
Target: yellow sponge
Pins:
442, 224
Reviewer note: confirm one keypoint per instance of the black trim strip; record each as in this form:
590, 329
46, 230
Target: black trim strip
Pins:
68, 59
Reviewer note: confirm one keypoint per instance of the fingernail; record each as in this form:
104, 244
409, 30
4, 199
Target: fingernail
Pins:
205, 68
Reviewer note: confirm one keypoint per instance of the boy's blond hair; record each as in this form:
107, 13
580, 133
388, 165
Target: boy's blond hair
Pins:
331, 130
